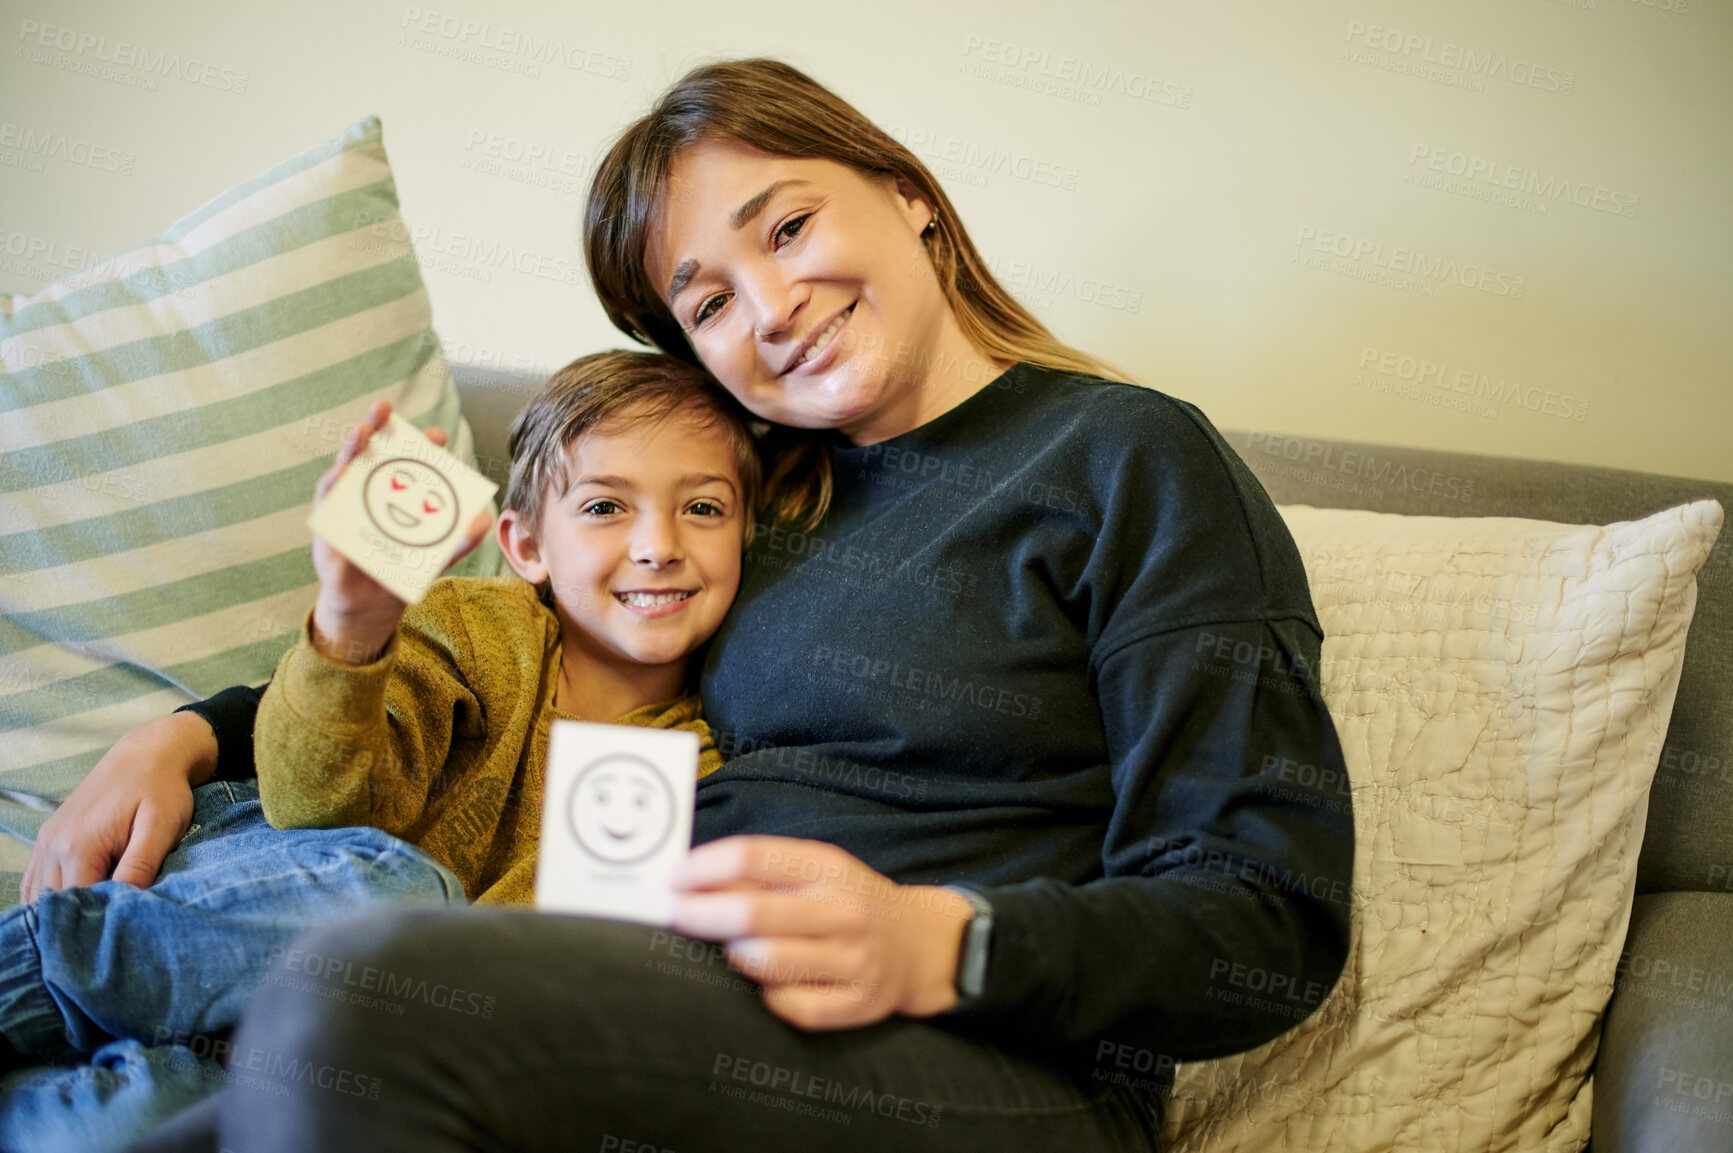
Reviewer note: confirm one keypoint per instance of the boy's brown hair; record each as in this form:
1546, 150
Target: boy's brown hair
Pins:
618, 389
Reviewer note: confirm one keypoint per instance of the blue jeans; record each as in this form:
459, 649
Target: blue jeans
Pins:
140, 984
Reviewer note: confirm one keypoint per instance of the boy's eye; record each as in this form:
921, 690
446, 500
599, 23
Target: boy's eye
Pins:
706, 508
601, 508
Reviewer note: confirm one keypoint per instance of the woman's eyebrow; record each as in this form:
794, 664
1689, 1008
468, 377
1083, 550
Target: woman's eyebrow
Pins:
749, 211
742, 216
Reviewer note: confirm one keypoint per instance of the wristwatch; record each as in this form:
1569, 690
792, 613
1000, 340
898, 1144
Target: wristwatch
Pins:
977, 944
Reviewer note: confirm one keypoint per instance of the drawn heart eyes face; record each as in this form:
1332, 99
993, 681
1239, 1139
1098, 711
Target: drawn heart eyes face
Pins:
411, 502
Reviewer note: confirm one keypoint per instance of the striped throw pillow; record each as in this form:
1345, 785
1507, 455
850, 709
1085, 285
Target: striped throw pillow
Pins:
164, 413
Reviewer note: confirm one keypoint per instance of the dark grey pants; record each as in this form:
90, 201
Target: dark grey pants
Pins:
507, 1030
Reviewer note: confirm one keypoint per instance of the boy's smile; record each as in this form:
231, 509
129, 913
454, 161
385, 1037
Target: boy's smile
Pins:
655, 602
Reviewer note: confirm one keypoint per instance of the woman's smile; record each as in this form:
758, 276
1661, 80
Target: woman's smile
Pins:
821, 351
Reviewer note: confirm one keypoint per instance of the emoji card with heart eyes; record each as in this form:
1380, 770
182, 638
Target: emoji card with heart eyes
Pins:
616, 819
400, 508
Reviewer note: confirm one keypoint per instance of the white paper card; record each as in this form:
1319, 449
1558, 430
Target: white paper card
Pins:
616, 819
400, 508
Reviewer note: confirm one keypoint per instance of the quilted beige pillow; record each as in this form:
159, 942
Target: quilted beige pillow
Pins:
1502, 688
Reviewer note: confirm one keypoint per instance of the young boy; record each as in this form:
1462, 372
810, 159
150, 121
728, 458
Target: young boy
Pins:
632, 492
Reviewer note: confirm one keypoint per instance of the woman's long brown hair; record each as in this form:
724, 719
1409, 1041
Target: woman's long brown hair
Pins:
775, 108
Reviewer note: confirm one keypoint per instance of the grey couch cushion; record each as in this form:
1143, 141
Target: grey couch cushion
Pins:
490, 401
1664, 1073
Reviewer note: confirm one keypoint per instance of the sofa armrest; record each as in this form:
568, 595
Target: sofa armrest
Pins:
1664, 1075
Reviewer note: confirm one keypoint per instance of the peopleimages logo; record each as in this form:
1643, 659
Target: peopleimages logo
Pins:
1478, 385
1320, 457
1409, 262
73, 266
515, 44
1543, 188
1074, 76
530, 153
1417, 49
50, 145
1043, 285
975, 159
428, 243
124, 54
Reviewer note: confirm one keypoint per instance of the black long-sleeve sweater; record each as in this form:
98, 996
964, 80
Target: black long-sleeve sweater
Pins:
1056, 642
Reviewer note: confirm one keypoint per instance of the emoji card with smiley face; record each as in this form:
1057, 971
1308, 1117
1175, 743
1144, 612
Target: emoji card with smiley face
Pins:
616, 819
400, 508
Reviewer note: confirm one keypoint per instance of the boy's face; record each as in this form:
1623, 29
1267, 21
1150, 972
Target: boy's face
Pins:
643, 550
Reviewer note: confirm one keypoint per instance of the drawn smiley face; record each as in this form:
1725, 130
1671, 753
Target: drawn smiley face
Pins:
621, 809
410, 501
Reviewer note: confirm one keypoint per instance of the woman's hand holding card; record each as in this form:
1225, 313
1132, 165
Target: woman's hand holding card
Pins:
834, 944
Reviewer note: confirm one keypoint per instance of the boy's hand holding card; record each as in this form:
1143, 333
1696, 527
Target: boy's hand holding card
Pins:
399, 509
616, 819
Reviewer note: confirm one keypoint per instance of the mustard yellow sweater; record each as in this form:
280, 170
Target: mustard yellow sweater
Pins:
442, 740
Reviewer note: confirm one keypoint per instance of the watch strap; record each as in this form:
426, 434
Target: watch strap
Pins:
975, 949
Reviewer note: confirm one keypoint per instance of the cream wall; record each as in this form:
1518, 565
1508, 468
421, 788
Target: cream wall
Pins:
1246, 203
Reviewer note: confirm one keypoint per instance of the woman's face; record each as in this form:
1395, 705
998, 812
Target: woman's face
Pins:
805, 289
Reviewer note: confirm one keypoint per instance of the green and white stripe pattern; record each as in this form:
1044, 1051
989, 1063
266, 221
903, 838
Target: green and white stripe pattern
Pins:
164, 414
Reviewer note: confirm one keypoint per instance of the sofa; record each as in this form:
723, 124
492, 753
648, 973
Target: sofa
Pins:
1667, 1034
1662, 1079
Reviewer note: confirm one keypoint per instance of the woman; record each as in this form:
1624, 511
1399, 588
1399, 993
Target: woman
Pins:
1010, 624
